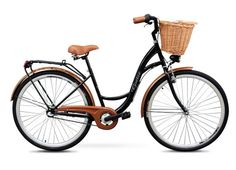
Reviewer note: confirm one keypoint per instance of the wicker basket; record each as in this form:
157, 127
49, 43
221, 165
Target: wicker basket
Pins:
175, 36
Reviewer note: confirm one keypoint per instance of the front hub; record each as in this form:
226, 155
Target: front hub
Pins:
186, 112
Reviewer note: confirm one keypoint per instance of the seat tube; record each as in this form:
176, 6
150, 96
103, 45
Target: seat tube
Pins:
94, 81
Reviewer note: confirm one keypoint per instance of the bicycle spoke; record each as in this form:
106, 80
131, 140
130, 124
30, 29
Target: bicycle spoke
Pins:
207, 114
44, 93
61, 90
205, 105
171, 126
57, 90
195, 120
197, 130
211, 108
206, 100
75, 97
29, 94
34, 102
43, 137
166, 111
176, 131
73, 130
185, 132
187, 94
166, 117
198, 92
188, 128
199, 98
56, 127
40, 126
34, 118
191, 93
166, 104
52, 90
200, 127
29, 113
54, 131
44, 124
171, 100
72, 102
181, 133
208, 120
182, 91
196, 124
63, 128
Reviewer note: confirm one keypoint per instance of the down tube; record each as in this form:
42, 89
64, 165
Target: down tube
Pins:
136, 80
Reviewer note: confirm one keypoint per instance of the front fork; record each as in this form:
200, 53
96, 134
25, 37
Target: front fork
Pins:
171, 79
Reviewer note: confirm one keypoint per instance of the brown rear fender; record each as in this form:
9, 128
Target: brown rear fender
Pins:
47, 69
152, 84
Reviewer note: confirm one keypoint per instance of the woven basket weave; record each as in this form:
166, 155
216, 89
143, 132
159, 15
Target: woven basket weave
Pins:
175, 36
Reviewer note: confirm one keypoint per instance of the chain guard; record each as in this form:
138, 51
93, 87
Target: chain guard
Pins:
96, 112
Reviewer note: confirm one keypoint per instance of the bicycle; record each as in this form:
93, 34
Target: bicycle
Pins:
183, 109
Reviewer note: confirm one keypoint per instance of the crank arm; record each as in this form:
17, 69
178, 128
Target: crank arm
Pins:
123, 115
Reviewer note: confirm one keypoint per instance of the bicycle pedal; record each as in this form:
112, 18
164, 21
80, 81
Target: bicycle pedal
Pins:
126, 115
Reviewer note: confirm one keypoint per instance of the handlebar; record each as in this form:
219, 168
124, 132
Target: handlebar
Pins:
138, 20
148, 19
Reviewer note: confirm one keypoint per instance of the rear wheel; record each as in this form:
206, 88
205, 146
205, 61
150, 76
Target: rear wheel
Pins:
207, 111
34, 121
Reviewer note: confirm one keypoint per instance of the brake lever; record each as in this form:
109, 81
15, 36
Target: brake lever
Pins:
148, 23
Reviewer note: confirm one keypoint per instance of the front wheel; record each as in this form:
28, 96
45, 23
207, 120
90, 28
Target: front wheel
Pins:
207, 115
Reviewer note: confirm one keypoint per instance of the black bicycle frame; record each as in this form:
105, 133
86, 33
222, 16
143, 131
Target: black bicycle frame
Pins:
143, 67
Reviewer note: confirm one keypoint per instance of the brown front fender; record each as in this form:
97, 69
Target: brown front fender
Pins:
152, 84
52, 68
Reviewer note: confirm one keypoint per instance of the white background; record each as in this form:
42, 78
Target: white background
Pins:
44, 29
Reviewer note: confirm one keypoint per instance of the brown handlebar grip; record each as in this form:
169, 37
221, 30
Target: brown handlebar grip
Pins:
138, 20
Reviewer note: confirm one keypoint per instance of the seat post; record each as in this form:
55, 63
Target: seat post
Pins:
94, 80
